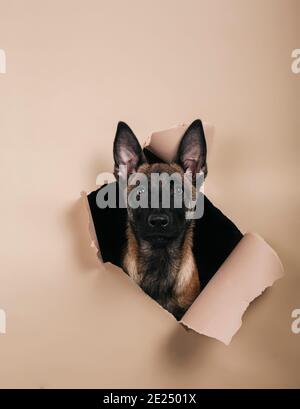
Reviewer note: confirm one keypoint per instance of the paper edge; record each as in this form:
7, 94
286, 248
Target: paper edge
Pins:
208, 125
259, 292
91, 227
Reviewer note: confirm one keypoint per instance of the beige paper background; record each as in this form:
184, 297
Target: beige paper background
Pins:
74, 68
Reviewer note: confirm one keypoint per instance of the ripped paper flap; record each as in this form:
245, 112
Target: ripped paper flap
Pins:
250, 268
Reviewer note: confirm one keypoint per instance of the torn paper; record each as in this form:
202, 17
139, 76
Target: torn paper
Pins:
251, 267
92, 231
164, 144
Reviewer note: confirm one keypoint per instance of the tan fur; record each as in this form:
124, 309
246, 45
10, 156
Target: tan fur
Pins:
130, 260
187, 286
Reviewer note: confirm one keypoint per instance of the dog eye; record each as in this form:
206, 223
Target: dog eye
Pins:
140, 191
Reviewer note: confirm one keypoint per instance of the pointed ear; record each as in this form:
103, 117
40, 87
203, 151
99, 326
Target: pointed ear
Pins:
192, 149
127, 151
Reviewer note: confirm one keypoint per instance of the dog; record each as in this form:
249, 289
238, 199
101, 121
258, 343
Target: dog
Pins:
158, 254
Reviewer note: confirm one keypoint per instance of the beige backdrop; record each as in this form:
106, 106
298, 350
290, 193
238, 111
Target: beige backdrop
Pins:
76, 67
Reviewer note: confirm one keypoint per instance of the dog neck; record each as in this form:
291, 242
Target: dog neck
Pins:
167, 274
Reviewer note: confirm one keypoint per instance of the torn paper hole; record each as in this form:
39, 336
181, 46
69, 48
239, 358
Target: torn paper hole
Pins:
233, 268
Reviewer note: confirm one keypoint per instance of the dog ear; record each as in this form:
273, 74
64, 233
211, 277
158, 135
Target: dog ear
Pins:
192, 149
127, 151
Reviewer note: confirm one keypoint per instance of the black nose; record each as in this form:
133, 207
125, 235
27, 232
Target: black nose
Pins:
158, 220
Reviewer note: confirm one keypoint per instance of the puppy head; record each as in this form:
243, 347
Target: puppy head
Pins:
156, 193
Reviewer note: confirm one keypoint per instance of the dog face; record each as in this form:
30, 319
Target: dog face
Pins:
157, 192
165, 222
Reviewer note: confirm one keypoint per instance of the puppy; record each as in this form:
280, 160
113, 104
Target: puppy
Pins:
158, 254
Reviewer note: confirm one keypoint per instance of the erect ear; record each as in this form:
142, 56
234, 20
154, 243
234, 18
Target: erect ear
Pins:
127, 151
192, 149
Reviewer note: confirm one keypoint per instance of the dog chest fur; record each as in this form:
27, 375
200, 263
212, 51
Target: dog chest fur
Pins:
169, 275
